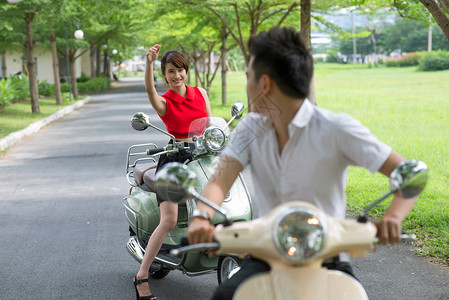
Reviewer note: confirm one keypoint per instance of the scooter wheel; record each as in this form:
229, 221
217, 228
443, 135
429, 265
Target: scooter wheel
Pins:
159, 274
227, 266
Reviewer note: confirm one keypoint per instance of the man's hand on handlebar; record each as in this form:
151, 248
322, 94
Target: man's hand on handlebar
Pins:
389, 230
200, 231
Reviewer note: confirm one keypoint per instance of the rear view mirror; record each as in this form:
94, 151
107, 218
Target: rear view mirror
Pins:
140, 121
410, 178
237, 110
175, 182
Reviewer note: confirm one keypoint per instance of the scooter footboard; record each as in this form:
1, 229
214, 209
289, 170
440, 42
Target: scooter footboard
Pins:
143, 215
301, 283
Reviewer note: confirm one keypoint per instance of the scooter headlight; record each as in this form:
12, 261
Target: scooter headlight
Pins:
214, 139
300, 234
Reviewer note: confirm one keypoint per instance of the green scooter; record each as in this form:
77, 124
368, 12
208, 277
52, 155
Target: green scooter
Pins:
141, 208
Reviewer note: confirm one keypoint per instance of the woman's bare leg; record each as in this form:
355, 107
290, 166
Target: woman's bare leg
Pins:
169, 218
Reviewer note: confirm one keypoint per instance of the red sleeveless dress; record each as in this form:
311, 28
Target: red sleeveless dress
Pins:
182, 111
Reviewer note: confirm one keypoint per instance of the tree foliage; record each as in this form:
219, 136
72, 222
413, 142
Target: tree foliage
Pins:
114, 23
405, 35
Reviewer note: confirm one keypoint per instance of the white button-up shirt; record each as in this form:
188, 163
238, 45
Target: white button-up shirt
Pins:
313, 164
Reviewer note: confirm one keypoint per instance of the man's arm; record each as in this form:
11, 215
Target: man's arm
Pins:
389, 228
200, 230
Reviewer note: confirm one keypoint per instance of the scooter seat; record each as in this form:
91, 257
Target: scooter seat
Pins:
140, 169
149, 178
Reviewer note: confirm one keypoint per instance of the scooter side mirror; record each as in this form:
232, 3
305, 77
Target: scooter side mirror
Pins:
410, 178
237, 110
175, 182
140, 121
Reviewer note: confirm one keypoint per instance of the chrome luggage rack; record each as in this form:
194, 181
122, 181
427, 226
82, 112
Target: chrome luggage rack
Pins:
141, 152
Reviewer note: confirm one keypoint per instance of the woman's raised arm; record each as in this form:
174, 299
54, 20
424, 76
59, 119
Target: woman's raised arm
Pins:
159, 103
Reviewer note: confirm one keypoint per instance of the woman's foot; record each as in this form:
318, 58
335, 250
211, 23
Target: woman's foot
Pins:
143, 289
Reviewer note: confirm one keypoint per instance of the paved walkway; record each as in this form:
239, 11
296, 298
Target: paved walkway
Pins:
12, 138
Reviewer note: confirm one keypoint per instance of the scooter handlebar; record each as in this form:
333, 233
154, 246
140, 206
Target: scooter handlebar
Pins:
404, 238
155, 151
197, 247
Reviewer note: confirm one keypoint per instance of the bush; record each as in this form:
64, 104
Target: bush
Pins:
45, 89
83, 78
21, 87
434, 61
86, 86
17, 88
391, 63
408, 60
65, 87
7, 92
333, 57
14, 89
96, 85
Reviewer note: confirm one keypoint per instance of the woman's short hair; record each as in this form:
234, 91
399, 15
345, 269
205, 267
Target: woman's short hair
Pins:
282, 54
175, 58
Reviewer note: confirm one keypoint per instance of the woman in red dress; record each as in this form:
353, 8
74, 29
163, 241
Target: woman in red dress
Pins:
178, 107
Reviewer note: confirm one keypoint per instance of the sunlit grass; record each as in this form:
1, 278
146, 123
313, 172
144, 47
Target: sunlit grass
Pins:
17, 116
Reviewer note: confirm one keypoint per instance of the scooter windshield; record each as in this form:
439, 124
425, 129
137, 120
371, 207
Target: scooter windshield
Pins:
198, 126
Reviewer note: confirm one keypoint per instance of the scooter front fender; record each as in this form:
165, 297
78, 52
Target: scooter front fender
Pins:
301, 283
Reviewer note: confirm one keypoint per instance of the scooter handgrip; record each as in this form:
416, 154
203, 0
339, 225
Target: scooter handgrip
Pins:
184, 241
154, 151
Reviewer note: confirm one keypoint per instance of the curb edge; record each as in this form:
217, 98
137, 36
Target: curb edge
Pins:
14, 137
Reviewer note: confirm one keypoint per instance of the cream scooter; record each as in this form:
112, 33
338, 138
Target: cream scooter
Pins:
295, 238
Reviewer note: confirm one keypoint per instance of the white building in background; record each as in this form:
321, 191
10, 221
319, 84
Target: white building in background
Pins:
319, 38
16, 63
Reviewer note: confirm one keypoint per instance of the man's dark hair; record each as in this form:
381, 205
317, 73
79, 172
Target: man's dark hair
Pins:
282, 54
174, 57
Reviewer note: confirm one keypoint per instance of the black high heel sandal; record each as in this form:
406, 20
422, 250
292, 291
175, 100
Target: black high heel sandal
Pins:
140, 281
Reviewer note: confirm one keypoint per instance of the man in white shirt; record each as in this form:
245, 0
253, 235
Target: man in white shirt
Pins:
295, 149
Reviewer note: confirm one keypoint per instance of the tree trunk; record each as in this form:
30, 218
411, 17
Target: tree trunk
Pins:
305, 32
4, 73
54, 57
98, 71
224, 55
195, 66
373, 39
305, 21
73, 73
92, 61
29, 45
438, 14
106, 64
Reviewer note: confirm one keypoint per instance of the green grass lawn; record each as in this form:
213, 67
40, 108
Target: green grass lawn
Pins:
408, 110
18, 116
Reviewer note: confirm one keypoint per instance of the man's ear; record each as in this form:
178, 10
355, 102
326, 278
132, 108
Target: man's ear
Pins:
267, 84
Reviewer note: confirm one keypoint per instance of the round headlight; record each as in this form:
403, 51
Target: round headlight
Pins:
214, 139
300, 234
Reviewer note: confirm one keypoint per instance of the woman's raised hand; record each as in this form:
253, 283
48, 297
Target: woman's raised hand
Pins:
152, 53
